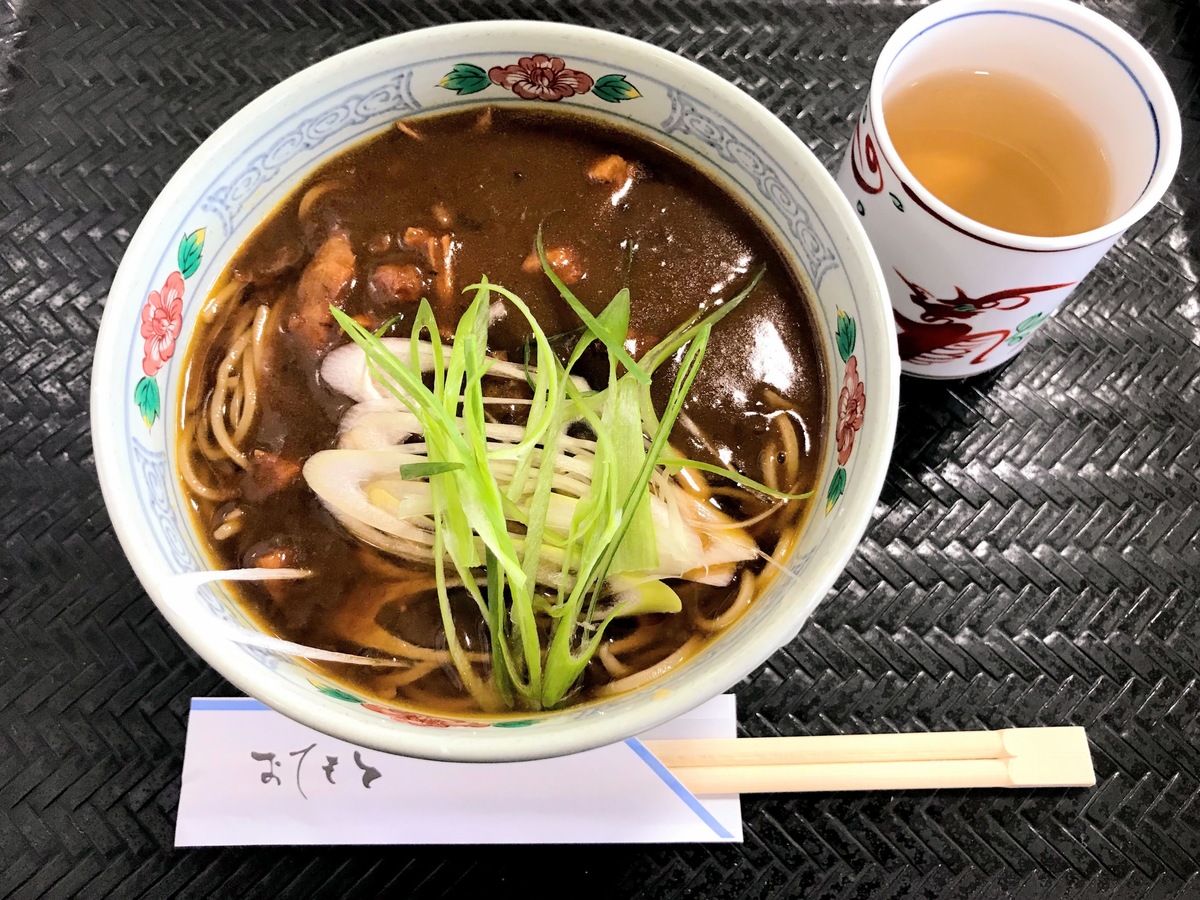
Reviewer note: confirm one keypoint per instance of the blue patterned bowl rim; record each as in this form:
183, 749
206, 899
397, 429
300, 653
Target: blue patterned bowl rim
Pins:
249, 163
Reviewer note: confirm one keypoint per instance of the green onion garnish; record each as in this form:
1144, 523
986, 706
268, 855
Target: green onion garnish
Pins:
552, 536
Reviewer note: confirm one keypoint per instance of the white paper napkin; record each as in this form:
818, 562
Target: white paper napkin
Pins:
253, 776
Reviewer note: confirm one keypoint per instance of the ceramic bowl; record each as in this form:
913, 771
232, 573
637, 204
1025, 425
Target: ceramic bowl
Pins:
252, 162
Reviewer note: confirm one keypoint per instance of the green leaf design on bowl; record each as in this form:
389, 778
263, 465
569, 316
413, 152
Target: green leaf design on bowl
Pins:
465, 78
837, 487
336, 693
190, 249
847, 335
145, 395
614, 89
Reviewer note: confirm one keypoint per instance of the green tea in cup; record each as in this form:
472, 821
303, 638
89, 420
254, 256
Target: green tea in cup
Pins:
1002, 150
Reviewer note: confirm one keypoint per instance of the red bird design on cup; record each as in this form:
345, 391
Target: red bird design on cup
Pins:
941, 334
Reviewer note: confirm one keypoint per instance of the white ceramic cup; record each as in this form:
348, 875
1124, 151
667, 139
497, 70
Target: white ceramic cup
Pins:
967, 296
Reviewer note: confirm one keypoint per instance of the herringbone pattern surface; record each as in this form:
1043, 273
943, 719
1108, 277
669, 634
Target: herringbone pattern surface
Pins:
1035, 557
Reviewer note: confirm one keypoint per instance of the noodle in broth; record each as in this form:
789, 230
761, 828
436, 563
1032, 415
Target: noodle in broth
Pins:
422, 212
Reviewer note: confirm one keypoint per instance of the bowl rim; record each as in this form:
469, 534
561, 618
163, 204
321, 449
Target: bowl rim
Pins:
477, 744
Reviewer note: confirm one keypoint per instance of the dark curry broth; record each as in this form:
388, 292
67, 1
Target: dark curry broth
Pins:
493, 177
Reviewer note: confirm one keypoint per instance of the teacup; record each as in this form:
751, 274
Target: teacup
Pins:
967, 296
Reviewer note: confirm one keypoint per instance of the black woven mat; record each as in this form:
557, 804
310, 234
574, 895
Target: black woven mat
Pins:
1034, 558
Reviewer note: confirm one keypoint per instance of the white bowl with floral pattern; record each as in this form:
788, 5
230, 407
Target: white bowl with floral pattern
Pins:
254, 160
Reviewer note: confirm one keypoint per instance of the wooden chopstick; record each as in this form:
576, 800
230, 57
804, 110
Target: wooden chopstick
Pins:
1013, 757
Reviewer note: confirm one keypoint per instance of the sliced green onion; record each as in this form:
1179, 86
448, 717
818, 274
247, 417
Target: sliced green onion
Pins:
513, 507
676, 464
615, 342
424, 470
681, 334
563, 665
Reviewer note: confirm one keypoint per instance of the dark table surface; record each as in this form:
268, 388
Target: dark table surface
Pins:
1034, 558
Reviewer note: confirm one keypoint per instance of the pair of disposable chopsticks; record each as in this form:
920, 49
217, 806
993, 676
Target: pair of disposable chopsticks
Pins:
1010, 758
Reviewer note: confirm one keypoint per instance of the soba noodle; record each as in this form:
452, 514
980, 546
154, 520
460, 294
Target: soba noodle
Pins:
415, 214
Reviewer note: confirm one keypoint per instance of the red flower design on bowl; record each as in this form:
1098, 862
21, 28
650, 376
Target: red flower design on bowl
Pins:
852, 403
416, 718
541, 77
162, 321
